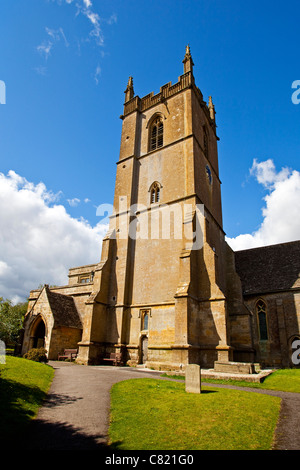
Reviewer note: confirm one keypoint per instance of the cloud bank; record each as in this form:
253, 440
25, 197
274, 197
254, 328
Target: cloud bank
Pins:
281, 221
39, 240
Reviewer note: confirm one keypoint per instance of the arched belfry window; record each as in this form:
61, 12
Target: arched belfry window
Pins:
261, 312
156, 134
155, 192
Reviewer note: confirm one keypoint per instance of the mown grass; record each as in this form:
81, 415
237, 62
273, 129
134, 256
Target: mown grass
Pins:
23, 387
284, 380
151, 414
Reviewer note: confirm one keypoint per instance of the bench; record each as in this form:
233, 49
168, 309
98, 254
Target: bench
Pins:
69, 354
115, 358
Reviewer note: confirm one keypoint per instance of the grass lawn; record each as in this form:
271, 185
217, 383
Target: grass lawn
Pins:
285, 380
23, 387
150, 414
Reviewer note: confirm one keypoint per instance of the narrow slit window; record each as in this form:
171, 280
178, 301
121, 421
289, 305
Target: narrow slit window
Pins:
145, 314
145, 321
262, 320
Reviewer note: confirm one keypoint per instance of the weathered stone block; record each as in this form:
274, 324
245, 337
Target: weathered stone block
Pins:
235, 367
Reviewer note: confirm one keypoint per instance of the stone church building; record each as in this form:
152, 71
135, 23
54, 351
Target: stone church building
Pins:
161, 297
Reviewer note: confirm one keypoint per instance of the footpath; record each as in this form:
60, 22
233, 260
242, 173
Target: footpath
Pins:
75, 415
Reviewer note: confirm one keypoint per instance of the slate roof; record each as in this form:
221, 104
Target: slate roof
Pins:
270, 268
63, 309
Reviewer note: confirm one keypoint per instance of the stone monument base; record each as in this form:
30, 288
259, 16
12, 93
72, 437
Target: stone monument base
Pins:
236, 367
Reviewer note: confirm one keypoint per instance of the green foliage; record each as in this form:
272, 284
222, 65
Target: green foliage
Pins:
11, 320
37, 355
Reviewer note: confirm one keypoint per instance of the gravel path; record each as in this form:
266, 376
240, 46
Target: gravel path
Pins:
76, 412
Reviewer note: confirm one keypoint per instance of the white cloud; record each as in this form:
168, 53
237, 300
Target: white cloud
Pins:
87, 3
45, 48
265, 173
281, 221
39, 240
97, 74
112, 19
86, 10
73, 202
41, 70
94, 18
53, 36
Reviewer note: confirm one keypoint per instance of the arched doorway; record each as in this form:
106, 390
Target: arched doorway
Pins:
37, 338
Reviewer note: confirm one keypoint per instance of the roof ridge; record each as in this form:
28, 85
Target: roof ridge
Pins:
269, 246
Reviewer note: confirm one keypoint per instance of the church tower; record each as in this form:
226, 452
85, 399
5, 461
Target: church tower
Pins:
165, 292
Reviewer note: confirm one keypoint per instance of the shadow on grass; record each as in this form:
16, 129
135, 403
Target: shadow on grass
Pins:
18, 403
19, 430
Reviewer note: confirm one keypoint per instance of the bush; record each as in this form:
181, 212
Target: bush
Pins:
37, 354
11, 320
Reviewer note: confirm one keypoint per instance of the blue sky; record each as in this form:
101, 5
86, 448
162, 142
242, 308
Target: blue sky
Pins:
65, 65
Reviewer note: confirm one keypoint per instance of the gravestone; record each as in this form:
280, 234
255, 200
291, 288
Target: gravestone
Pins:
193, 378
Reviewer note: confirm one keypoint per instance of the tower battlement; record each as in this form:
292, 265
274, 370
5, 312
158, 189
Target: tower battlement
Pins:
186, 80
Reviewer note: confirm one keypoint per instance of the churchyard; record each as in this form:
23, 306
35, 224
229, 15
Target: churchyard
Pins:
157, 414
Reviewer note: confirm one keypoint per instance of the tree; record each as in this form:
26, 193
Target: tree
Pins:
11, 320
